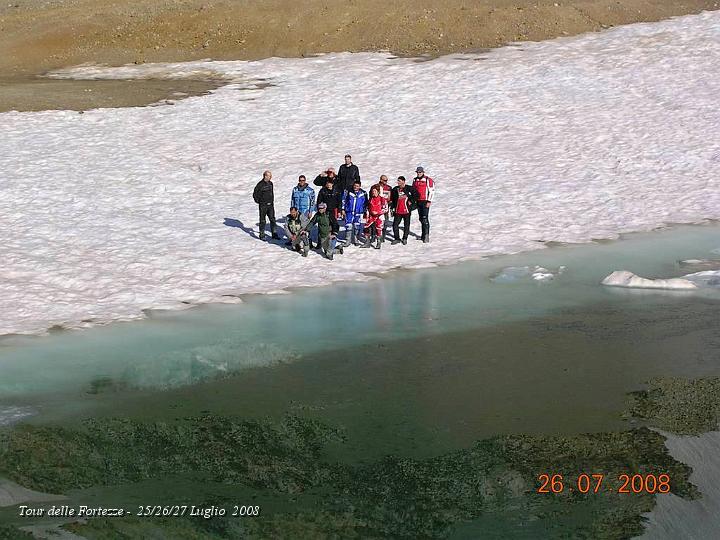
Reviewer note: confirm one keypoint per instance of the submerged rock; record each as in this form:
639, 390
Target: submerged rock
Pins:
12, 494
700, 264
11, 533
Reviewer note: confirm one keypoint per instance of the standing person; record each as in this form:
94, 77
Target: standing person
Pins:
327, 230
402, 202
425, 187
328, 173
347, 174
303, 197
354, 206
377, 208
264, 196
332, 198
296, 230
385, 191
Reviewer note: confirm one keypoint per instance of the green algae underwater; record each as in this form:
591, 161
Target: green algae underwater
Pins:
285, 467
311, 497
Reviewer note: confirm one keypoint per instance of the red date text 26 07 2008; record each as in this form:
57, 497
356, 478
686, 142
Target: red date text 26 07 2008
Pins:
597, 482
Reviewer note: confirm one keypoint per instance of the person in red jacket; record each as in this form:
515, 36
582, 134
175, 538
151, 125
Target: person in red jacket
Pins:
376, 209
384, 190
425, 188
402, 202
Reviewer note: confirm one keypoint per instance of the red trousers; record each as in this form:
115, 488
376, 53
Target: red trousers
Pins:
374, 220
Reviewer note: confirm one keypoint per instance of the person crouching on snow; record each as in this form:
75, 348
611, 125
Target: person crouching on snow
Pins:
327, 230
332, 197
354, 206
295, 226
375, 218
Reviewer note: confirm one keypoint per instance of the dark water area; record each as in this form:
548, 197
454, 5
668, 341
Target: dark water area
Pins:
561, 374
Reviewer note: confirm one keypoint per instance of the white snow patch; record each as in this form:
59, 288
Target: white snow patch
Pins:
116, 211
203, 70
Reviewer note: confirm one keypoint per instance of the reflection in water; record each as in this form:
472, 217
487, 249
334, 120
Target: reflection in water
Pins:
380, 308
191, 366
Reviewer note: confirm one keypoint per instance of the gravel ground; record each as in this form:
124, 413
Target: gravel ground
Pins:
38, 35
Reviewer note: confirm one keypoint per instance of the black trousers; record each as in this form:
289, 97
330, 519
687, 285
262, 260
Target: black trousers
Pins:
405, 218
424, 215
267, 210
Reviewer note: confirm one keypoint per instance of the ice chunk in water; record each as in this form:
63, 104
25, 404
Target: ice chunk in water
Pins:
542, 274
624, 278
512, 274
707, 278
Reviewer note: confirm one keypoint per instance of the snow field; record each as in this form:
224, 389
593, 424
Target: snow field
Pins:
112, 212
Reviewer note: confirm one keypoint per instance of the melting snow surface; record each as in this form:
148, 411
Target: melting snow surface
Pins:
111, 212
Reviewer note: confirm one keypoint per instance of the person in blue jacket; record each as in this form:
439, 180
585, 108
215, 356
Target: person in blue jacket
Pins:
353, 208
303, 197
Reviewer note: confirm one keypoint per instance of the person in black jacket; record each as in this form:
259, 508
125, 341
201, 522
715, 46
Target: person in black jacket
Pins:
403, 200
347, 174
331, 197
265, 198
329, 173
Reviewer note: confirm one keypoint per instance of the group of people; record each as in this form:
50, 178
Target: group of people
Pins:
342, 200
